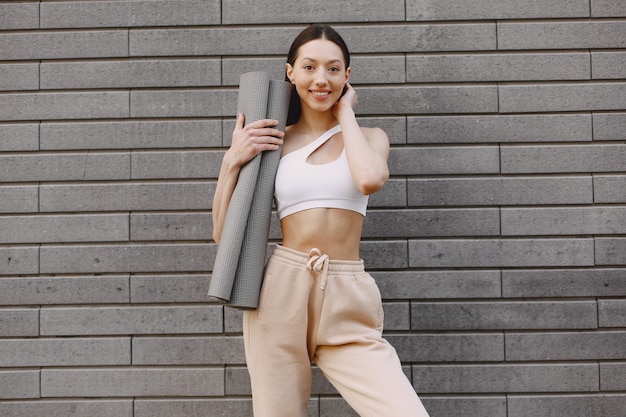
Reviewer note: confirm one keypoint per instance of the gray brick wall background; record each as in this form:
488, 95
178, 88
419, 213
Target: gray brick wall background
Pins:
499, 243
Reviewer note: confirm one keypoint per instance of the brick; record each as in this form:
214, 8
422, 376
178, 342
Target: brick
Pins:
607, 8
170, 226
20, 199
563, 159
64, 228
193, 407
19, 16
394, 127
608, 65
38, 106
188, 351
100, 408
500, 128
64, 45
237, 381
85, 14
596, 282
131, 134
371, 69
562, 97
234, 67
610, 251
441, 222
64, 290
485, 9
500, 253
609, 189
397, 316
583, 405
130, 320
176, 164
64, 352
134, 13
419, 38
563, 221
127, 258
426, 100
483, 191
565, 346
505, 378
183, 103
19, 384
65, 167
19, 260
612, 377
128, 382
501, 67
212, 41
562, 35
609, 126
15, 77
233, 320
448, 347
444, 160
335, 407
238, 11
129, 74
388, 254
611, 313
19, 137
492, 406
125, 197
19, 322
438, 284
504, 315
169, 288
393, 194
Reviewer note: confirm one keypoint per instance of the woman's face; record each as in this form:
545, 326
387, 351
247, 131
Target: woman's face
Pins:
319, 74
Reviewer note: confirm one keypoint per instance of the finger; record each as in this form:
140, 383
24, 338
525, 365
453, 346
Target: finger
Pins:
263, 123
240, 121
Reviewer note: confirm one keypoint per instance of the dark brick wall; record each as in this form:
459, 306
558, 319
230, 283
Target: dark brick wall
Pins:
498, 243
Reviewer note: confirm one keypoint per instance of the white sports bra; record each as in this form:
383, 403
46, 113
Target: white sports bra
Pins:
301, 185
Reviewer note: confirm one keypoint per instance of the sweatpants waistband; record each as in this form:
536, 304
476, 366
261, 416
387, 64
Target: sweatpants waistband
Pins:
298, 258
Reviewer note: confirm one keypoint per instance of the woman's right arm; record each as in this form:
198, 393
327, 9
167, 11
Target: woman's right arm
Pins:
247, 142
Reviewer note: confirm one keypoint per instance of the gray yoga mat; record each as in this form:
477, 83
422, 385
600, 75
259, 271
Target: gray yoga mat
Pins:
238, 269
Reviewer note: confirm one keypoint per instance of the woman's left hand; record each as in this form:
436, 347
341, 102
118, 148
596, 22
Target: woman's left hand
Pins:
347, 101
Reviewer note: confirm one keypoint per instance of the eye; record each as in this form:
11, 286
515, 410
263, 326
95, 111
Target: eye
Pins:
335, 69
308, 67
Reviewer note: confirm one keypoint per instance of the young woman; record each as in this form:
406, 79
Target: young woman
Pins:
317, 303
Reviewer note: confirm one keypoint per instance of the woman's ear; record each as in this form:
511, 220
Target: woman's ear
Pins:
348, 71
289, 71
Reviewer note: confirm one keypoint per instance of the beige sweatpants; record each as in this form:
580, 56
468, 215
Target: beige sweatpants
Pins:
313, 309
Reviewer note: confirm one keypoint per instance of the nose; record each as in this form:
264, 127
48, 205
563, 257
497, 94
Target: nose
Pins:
320, 77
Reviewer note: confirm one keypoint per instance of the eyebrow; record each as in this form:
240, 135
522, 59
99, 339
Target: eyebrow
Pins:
330, 62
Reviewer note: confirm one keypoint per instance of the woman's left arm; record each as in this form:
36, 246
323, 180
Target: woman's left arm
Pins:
367, 150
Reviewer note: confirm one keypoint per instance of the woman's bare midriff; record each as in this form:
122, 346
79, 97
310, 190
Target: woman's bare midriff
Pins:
335, 232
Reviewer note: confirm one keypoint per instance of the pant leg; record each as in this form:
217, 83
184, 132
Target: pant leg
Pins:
354, 356
275, 338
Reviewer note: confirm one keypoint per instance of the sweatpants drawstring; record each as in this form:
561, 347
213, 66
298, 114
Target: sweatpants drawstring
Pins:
319, 262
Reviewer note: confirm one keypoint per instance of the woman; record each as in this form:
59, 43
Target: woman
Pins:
317, 303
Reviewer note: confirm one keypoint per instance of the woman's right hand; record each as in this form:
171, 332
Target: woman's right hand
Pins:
252, 139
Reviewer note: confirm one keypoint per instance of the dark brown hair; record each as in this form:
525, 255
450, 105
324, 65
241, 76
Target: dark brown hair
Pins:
313, 32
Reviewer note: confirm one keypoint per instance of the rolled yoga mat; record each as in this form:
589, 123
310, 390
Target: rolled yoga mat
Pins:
238, 269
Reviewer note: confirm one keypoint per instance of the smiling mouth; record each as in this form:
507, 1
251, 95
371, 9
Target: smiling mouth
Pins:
321, 93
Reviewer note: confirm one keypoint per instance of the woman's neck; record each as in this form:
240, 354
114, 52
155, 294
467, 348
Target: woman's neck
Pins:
316, 122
